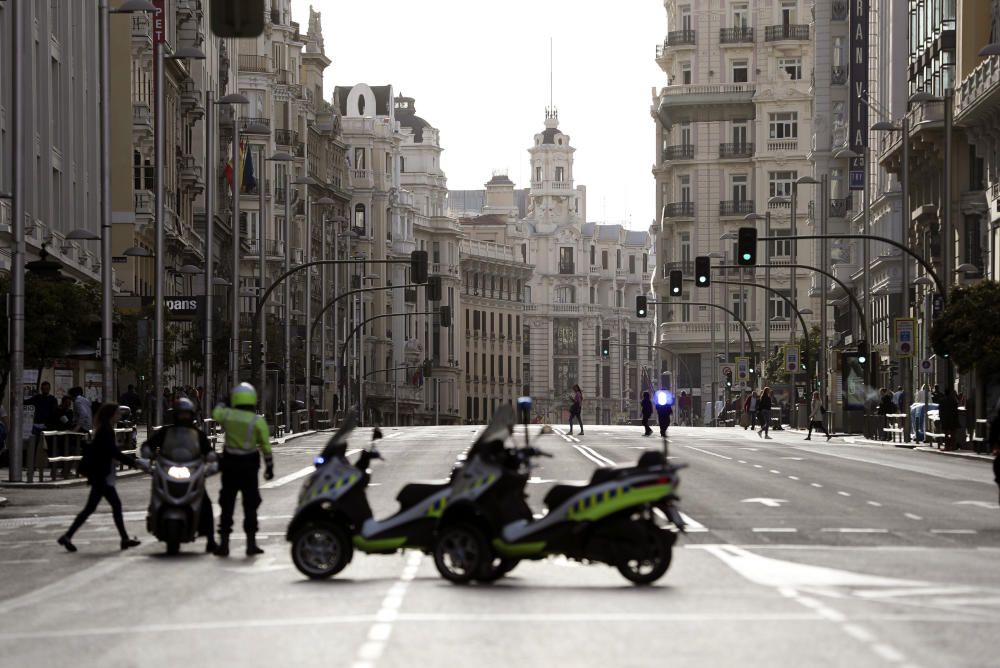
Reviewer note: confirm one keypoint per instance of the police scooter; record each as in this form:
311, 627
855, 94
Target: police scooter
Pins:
624, 516
179, 474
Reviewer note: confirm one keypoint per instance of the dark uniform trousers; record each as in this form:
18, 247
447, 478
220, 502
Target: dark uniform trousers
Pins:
239, 474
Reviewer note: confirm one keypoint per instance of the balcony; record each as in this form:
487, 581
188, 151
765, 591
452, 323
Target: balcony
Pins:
679, 210
782, 145
923, 117
736, 35
144, 202
741, 150
142, 121
258, 64
978, 95
690, 103
679, 152
567, 268
787, 32
838, 75
274, 249
686, 266
251, 125
680, 38
735, 207
778, 204
190, 173
284, 137
191, 100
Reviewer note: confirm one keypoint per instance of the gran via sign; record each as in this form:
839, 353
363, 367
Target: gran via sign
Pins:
858, 122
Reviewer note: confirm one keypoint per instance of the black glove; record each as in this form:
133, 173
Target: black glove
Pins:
269, 471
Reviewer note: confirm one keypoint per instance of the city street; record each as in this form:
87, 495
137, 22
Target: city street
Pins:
799, 553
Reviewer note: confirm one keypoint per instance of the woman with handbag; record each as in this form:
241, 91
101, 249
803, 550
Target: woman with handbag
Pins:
764, 411
98, 466
576, 408
816, 414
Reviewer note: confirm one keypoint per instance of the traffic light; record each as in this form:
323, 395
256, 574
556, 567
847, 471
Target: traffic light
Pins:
640, 306
237, 18
703, 271
605, 348
434, 288
804, 360
746, 247
418, 266
729, 377
444, 316
862, 352
676, 280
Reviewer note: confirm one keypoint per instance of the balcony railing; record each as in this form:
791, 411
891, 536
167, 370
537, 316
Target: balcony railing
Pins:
741, 150
735, 207
786, 31
838, 75
250, 63
255, 125
736, 35
286, 137
679, 152
272, 248
782, 144
679, 209
680, 37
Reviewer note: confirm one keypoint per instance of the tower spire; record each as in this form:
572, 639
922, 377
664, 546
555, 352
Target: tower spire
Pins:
550, 111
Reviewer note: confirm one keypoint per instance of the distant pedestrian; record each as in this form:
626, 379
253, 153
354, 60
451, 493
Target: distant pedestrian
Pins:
899, 398
647, 412
664, 410
817, 414
764, 411
64, 417
97, 465
948, 418
576, 408
994, 441
684, 404
131, 399
750, 408
83, 410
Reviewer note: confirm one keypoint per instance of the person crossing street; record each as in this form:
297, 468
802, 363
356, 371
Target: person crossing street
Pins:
246, 433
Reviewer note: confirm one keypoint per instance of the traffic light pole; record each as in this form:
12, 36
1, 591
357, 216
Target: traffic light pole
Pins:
753, 348
319, 318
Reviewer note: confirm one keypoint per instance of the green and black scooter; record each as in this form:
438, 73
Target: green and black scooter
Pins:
625, 517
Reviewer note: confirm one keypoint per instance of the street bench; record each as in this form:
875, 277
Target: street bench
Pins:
62, 451
894, 427
933, 434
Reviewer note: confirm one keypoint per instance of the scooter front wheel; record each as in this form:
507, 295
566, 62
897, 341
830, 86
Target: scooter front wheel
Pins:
461, 553
321, 550
499, 567
654, 563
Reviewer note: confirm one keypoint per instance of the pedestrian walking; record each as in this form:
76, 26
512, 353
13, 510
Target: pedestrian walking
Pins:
97, 465
82, 410
994, 439
817, 413
45, 408
764, 411
750, 409
948, 417
247, 436
684, 404
664, 410
576, 409
647, 412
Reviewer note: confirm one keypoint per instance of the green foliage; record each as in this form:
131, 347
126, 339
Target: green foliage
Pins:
135, 350
774, 365
968, 330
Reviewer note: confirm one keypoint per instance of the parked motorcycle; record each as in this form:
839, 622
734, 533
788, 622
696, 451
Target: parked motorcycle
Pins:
624, 516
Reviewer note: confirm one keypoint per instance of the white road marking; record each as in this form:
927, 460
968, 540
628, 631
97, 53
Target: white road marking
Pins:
769, 503
12, 562
742, 461
757, 466
776, 471
875, 503
775, 530
963, 532
707, 452
692, 525
912, 516
793, 477
378, 635
854, 530
64, 585
816, 484
301, 473
844, 493
978, 504
794, 459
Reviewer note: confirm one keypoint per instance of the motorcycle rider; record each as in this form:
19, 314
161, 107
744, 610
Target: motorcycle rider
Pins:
184, 427
664, 410
245, 433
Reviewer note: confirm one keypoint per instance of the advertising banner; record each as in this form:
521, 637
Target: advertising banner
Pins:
858, 121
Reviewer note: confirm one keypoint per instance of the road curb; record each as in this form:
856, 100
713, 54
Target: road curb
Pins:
56, 484
954, 453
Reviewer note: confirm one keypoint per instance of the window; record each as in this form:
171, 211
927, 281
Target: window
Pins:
741, 15
604, 259
566, 260
388, 163
360, 220
402, 164
685, 134
524, 253
780, 248
436, 252
565, 294
631, 264
789, 12
618, 259
685, 247
538, 174
686, 23
792, 67
780, 184
739, 304
359, 159
593, 256
686, 72
741, 71
741, 132
560, 173
784, 125
739, 187
388, 225
684, 186
777, 307
593, 294
645, 263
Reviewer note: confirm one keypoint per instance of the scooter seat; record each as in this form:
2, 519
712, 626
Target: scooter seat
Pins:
559, 493
607, 473
416, 492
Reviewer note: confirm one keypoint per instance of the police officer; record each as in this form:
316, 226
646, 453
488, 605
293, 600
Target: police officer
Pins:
245, 433
664, 410
184, 427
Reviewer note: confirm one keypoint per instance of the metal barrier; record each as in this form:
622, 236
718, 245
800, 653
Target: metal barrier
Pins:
979, 435
894, 428
62, 451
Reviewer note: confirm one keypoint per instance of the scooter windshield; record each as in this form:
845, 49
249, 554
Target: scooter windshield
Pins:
181, 444
496, 433
337, 445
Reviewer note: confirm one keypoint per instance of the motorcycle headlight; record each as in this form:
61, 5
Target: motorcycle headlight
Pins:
179, 472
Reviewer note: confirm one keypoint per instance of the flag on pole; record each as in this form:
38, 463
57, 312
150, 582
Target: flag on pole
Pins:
249, 181
229, 172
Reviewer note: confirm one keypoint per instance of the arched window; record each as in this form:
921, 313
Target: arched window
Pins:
565, 294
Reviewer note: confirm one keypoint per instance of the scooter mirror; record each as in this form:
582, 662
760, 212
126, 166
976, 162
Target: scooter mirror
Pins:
145, 451
376, 434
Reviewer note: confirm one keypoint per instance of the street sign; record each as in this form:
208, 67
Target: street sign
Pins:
743, 369
856, 179
727, 368
904, 337
791, 359
181, 308
937, 305
926, 366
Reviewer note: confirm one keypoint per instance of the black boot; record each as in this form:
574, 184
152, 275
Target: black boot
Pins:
65, 541
223, 548
210, 545
252, 549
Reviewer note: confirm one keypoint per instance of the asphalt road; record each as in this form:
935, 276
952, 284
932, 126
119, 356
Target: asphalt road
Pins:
800, 554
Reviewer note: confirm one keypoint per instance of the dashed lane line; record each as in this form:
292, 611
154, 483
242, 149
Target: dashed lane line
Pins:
707, 452
912, 516
844, 493
875, 504
378, 635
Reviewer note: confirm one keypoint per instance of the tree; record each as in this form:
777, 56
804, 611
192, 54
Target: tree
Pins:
968, 331
57, 315
134, 333
775, 363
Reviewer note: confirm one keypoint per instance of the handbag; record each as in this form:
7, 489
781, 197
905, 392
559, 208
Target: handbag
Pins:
744, 420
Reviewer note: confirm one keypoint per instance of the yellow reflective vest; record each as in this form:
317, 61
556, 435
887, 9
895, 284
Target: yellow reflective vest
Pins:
245, 431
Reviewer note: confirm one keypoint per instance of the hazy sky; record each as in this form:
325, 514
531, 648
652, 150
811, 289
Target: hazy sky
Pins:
480, 73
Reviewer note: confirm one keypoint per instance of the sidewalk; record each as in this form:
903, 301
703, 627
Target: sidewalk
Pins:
76, 482
858, 439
